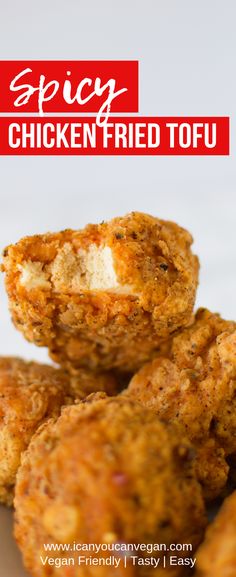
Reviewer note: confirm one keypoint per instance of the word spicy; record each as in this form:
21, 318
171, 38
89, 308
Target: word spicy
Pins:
82, 94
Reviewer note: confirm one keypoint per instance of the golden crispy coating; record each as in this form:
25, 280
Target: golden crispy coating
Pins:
105, 296
107, 471
30, 393
196, 387
217, 555
86, 382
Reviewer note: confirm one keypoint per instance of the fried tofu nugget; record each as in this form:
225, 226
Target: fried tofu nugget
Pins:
217, 555
31, 393
195, 386
106, 296
106, 472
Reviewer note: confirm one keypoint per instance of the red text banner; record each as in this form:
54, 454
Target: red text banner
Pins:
60, 86
140, 135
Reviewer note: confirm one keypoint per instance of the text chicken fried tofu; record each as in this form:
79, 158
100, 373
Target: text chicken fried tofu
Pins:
106, 296
217, 555
106, 472
195, 386
31, 393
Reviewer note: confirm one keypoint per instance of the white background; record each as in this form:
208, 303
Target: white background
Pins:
187, 52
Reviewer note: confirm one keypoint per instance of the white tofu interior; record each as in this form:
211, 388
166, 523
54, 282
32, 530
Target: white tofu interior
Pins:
97, 268
32, 275
91, 269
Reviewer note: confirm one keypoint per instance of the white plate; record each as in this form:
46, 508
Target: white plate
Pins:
10, 558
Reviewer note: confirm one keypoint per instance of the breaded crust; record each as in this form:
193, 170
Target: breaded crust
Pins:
31, 393
107, 471
195, 386
106, 296
217, 555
